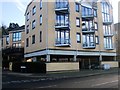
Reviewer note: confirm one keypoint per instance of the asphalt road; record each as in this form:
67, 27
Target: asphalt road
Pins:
30, 83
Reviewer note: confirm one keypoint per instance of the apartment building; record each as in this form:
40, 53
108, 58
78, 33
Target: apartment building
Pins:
13, 45
68, 35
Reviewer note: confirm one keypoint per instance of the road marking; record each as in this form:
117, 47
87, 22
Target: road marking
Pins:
104, 83
47, 86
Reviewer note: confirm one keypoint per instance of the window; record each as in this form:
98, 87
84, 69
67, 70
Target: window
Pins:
106, 12
40, 19
97, 39
40, 36
34, 10
78, 38
95, 13
107, 29
27, 42
63, 37
77, 7
96, 26
88, 40
7, 40
28, 16
86, 11
16, 36
16, 45
27, 29
78, 22
62, 20
33, 24
61, 3
33, 39
40, 4
108, 43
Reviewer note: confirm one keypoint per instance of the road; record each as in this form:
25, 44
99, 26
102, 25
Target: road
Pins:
32, 83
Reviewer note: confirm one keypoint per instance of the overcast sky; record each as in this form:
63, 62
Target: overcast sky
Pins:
12, 11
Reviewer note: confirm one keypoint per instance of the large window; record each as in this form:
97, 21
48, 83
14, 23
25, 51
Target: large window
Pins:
62, 20
40, 19
7, 40
17, 36
78, 38
34, 10
86, 11
88, 40
107, 29
61, 3
33, 39
108, 43
63, 37
27, 42
33, 24
77, 7
106, 12
88, 25
40, 4
78, 22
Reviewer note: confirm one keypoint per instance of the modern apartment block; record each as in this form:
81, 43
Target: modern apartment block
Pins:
13, 45
68, 35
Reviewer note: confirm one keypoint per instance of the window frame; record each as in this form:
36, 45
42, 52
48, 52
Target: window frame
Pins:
27, 42
41, 19
41, 4
77, 22
77, 7
33, 10
78, 35
40, 36
33, 24
33, 39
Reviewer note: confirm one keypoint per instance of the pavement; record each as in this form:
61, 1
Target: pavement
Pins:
64, 74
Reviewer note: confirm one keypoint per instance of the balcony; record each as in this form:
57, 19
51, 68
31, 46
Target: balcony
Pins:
109, 48
88, 30
62, 26
87, 17
89, 45
107, 22
63, 43
108, 34
64, 8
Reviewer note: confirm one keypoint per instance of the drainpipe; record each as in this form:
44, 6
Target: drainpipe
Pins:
47, 56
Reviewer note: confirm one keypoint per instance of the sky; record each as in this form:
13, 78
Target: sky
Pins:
12, 11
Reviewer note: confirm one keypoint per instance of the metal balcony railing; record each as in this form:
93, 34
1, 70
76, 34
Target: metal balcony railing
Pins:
65, 42
89, 45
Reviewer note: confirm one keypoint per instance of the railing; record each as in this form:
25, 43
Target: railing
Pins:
62, 25
88, 30
88, 45
108, 34
65, 42
107, 22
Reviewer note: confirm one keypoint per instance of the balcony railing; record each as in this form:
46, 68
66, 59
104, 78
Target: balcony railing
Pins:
108, 34
109, 48
62, 25
87, 17
88, 30
107, 22
65, 42
89, 45
64, 7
